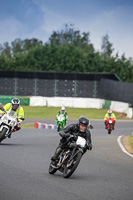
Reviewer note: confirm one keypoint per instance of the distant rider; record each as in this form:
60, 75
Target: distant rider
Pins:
63, 111
78, 129
15, 106
109, 114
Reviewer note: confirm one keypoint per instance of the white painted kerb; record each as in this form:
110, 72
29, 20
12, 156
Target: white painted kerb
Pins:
122, 147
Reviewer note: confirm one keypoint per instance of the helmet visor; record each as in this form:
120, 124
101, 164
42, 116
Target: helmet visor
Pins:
82, 128
15, 106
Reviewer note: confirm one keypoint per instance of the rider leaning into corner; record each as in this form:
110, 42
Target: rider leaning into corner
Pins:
109, 114
78, 129
15, 106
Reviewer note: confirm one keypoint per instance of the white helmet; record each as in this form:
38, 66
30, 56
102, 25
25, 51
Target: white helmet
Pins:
63, 109
109, 111
15, 103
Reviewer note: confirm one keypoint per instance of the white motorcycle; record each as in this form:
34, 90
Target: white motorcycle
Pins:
7, 123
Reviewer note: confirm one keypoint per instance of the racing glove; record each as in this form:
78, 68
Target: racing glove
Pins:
67, 135
89, 146
18, 124
1, 108
90, 126
62, 134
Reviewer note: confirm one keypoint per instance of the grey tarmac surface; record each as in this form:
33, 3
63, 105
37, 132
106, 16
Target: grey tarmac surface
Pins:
103, 173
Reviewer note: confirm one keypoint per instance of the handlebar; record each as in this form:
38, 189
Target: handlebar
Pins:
74, 137
22, 118
90, 126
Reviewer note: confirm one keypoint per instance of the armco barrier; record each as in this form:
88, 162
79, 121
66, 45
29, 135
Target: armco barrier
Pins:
67, 102
43, 125
38, 101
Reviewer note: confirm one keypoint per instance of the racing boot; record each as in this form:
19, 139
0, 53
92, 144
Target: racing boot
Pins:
9, 136
105, 124
54, 158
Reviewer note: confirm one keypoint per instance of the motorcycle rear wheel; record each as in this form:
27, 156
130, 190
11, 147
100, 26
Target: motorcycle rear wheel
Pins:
2, 134
69, 171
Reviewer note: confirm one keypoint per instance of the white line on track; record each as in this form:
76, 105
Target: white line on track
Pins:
122, 147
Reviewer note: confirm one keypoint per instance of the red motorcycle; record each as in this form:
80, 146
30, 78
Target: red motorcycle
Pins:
110, 124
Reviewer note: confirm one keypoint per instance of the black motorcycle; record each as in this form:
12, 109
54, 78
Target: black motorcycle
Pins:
70, 157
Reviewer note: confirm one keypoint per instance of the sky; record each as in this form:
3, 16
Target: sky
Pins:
26, 19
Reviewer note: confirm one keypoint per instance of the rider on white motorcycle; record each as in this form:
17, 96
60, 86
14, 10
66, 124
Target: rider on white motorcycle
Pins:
14, 106
79, 129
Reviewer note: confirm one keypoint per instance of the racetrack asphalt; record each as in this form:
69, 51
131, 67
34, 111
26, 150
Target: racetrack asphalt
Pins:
103, 173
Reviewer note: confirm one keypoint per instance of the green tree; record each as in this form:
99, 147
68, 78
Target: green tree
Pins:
17, 46
69, 35
106, 47
6, 50
3, 65
67, 50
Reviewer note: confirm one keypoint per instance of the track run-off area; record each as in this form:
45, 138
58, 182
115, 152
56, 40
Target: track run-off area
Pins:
105, 173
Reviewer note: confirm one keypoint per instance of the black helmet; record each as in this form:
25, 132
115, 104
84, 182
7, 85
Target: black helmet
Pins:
84, 121
16, 101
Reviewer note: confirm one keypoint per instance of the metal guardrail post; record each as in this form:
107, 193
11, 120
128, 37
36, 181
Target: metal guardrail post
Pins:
55, 87
75, 88
15, 86
95, 90
35, 87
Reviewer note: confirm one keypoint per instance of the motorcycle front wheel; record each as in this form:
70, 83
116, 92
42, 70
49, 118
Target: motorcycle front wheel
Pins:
69, 170
52, 170
2, 134
58, 128
109, 131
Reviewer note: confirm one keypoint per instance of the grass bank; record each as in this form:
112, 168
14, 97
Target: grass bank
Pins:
42, 112
131, 140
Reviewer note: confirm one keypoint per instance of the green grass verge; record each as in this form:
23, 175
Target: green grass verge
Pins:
42, 112
131, 140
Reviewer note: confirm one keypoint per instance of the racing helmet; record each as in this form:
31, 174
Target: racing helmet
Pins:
83, 121
15, 103
109, 112
63, 109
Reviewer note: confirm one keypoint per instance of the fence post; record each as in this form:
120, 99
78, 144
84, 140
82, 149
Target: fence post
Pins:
55, 87
35, 89
95, 90
15, 86
75, 88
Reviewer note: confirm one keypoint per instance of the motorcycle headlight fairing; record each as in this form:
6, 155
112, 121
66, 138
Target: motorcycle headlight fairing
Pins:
5, 119
13, 122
